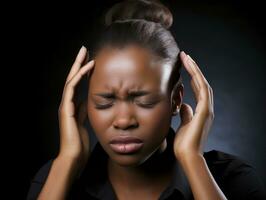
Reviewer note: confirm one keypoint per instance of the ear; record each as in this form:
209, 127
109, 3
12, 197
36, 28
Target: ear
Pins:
177, 98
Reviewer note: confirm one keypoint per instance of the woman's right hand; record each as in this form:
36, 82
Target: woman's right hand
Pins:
74, 138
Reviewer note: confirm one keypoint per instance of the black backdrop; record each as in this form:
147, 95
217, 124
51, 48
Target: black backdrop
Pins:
227, 40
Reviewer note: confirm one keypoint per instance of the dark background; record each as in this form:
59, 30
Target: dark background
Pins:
226, 39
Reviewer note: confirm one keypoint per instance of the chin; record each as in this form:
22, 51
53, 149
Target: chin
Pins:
129, 160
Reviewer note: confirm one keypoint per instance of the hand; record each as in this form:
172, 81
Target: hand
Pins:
74, 138
193, 130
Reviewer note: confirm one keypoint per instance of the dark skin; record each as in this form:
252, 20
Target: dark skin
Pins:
124, 71
135, 175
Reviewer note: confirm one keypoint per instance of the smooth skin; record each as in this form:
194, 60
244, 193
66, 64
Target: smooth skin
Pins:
74, 138
192, 134
188, 143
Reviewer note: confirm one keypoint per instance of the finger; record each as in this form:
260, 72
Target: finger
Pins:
68, 93
195, 68
204, 100
211, 94
183, 58
186, 114
89, 73
86, 57
81, 57
195, 89
211, 99
200, 80
196, 74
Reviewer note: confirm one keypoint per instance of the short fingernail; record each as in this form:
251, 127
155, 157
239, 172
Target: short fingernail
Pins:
182, 52
83, 48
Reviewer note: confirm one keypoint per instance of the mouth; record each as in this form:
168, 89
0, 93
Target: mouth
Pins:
126, 144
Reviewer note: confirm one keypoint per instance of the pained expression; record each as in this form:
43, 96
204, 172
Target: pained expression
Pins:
113, 108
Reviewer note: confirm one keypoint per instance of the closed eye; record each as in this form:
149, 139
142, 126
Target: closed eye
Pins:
141, 104
99, 106
146, 105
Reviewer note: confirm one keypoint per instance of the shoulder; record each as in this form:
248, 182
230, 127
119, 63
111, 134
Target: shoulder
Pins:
38, 180
94, 163
236, 176
226, 162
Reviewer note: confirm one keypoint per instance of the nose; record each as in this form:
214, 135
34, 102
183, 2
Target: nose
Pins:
125, 118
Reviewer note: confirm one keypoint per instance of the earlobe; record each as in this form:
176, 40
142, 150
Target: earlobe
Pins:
175, 111
177, 98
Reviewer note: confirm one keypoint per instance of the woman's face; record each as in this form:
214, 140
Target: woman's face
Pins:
115, 110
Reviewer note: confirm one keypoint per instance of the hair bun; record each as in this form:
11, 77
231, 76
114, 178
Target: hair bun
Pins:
150, 10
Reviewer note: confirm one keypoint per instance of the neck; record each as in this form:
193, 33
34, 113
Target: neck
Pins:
154, 169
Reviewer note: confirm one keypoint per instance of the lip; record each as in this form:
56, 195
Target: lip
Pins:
126, 144
125, 140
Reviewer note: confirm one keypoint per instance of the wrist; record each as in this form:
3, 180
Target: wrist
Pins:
186, 158
69, 164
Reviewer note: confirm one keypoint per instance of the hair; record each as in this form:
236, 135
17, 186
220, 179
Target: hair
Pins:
142, 22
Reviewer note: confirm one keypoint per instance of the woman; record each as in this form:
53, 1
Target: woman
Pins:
134, 91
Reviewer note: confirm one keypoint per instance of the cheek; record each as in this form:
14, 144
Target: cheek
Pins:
156, 123
99, 120
159, 115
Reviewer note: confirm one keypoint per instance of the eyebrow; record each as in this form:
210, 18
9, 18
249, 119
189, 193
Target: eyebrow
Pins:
131, 94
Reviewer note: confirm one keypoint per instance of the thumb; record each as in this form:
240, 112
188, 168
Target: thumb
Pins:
186, 114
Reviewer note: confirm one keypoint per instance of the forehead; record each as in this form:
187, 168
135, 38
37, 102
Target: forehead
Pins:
131, 57
131, 67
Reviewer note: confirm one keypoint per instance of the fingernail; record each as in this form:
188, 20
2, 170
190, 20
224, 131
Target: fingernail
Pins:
82, 48
182, 52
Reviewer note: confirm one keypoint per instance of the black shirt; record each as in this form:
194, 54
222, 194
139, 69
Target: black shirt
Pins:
235, 176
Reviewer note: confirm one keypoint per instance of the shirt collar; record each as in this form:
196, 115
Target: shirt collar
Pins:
100, 187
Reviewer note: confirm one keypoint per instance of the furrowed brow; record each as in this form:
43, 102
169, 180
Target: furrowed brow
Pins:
131, 94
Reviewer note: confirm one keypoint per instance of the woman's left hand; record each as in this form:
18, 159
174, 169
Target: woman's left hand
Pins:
193, 130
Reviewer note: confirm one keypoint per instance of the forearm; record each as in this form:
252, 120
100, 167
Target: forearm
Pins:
203, 185
61, 176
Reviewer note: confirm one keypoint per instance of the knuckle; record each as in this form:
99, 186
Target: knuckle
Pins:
205, 87
208, 113
210, 88
61, 109
69, 85
68, 82
211, 115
